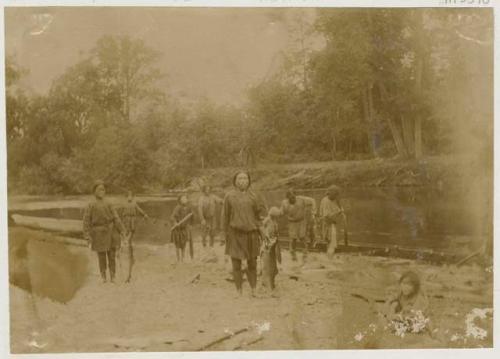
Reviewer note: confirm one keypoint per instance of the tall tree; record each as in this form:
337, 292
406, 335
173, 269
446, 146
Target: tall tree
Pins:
127, 73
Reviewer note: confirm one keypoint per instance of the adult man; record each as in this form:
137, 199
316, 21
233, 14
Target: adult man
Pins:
99, 221
207, 205
331, 212
296, 209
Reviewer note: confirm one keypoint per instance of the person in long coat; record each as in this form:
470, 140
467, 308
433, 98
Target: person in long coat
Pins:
242, 217
99, 222
331, 213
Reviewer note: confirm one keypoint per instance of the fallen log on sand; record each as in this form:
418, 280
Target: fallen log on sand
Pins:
221, 339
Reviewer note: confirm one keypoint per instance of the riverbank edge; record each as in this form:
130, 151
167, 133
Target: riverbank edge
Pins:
431, 172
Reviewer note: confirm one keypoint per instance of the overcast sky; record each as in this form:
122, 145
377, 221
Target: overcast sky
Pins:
212, 52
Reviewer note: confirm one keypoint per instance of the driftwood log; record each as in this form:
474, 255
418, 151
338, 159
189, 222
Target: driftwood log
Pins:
221, 339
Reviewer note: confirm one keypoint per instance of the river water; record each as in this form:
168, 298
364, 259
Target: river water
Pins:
408, 217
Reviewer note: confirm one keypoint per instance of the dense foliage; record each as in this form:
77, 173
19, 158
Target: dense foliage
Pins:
384, 83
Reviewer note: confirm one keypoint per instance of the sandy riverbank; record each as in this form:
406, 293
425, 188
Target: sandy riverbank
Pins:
161, 310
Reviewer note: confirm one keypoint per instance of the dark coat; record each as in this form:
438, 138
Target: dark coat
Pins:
99, 222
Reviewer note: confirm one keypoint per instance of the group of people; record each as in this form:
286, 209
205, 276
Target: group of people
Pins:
245, 220
104, 227
248, 227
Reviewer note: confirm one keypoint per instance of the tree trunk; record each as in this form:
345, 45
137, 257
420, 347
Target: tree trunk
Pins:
408, 135
127, 96
334, 137
396, 135
334, 146
373, 124
418, 137
367, 103
398, 141
419, 70
304, 56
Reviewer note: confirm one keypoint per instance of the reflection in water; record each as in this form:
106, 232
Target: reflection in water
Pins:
46, 269
42, 269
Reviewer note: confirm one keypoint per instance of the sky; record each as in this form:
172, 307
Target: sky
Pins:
209, 52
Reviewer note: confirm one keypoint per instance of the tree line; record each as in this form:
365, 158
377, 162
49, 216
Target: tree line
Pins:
385, 83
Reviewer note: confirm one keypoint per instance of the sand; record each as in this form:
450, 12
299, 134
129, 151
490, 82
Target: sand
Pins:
187, 306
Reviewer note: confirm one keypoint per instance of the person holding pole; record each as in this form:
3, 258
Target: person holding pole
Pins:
331, 213
99, 222
182, 218
128, 214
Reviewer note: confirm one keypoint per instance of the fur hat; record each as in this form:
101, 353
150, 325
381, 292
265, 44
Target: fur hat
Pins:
334, 190
97, 184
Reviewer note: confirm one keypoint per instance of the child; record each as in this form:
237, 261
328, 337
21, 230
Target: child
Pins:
270, 251
408, 302
182, 218
404, 321
330, 212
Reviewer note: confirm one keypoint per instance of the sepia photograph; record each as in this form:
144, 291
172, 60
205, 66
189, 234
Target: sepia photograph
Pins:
193, 179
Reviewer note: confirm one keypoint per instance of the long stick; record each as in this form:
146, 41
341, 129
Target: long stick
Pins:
346, 236
191, 249
182, 221
462, 261
250, 342
362, 297
221, 339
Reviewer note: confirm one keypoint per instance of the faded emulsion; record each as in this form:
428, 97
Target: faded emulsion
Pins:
224, 179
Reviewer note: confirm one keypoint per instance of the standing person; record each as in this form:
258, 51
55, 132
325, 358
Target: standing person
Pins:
310, 226
207, 205
99, 221
295, 208
182, 218
331, 212
270, 250
242, 214
128, 214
